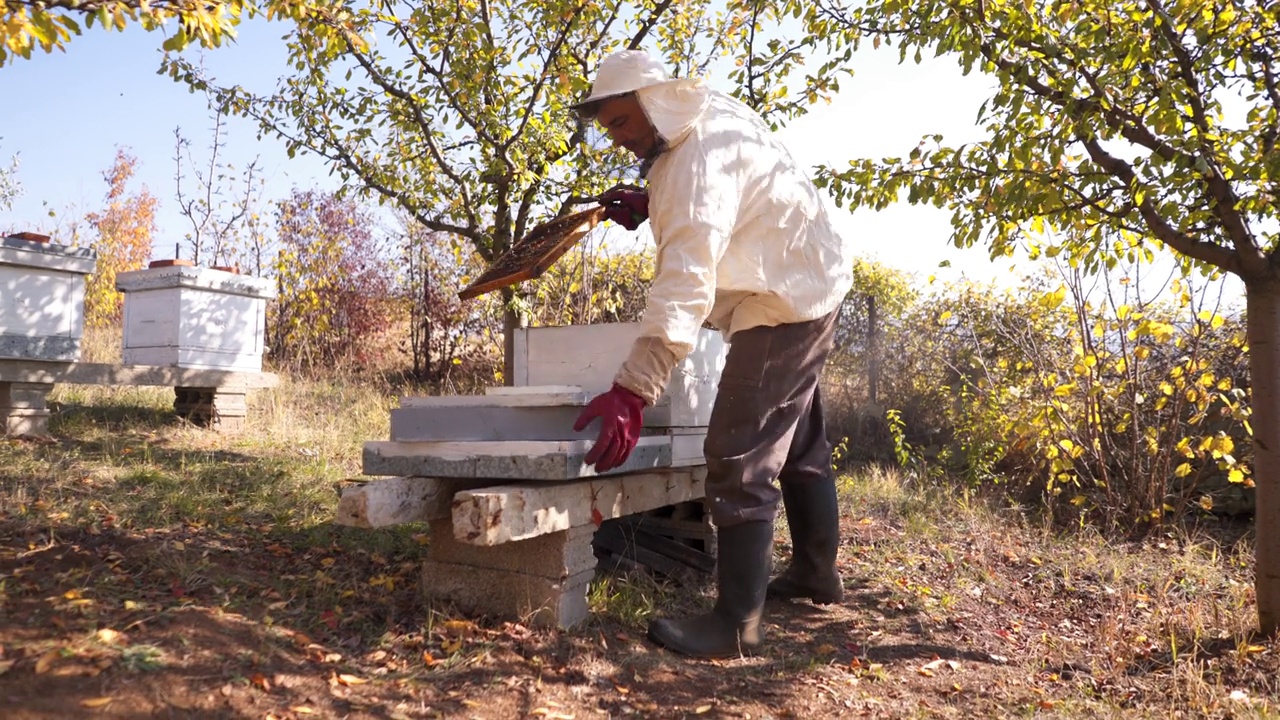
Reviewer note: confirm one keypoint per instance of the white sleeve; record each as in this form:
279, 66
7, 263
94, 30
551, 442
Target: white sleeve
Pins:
693, 214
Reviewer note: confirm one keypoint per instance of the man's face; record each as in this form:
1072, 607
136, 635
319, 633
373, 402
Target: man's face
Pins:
628, 127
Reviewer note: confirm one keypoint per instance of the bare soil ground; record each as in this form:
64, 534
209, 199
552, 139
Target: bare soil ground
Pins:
126, 594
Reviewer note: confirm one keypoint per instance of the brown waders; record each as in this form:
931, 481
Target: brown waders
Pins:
767, 423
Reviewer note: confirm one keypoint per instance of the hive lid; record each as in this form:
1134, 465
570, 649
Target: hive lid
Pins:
534, 254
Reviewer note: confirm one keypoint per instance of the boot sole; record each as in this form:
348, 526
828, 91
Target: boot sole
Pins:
741, 652
793, 591
815, 599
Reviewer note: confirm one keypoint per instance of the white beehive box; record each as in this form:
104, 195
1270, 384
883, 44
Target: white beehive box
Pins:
42, 299
194, 317
588, 356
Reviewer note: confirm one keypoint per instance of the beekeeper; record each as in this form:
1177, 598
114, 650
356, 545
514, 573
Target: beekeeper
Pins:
745, 245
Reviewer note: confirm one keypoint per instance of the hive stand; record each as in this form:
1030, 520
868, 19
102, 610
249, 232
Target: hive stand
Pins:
209, 398
520, 550
500, 479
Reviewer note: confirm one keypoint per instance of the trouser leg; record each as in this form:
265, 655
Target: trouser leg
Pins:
766, 390
765, 396
813, 515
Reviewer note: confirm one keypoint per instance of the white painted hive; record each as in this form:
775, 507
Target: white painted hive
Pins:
194, 317
588, 356
42, 299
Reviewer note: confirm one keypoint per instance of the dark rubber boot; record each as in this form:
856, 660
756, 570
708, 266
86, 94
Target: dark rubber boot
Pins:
813, 516
732, 628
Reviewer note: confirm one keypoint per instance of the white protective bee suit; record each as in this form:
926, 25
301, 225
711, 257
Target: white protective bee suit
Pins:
744, 244
743, 238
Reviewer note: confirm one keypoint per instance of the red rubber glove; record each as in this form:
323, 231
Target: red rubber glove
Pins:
620, 412
626, 206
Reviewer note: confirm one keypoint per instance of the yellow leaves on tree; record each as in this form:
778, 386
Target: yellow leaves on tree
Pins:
124, 229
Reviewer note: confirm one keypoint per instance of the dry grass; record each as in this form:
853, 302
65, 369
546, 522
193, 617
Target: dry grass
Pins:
215, 556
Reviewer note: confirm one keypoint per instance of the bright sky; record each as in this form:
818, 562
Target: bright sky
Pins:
72, 109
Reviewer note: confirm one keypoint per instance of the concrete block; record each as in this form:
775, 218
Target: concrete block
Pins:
30, 396
556, 555
220, 408
554, 602
507, 513
24, 421
397, 500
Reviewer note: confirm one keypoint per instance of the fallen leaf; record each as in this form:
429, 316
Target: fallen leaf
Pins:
934, 665
108, 636
701, 709
825, 650
96, 702
46, 661
458, 627
302, 710
5, 665
75, 669
346, 679
261, 681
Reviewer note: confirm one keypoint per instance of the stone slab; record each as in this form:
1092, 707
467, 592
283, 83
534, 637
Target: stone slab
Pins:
542, 396
509, 513
556, 555
508, 390
506, 460
431, 424
82, 373
397, 500
511, 595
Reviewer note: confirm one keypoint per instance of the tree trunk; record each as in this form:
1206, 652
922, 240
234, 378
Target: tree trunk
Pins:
1263, 308
873, 350
512, 320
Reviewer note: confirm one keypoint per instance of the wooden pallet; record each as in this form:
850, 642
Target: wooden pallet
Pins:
676, 541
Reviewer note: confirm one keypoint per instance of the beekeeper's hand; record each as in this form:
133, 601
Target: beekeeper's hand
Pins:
626, 205
620, 412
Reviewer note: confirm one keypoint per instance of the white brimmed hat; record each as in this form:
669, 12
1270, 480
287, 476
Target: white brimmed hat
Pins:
626, 72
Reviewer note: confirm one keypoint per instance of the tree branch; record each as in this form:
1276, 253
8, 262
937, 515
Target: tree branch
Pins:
1225, 200
415, 109
442, 82
547, 64
649, 24
1208, 252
